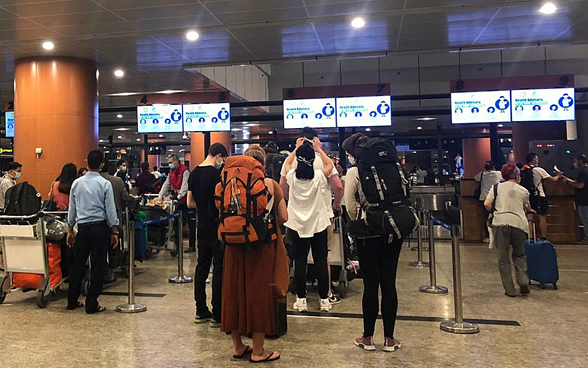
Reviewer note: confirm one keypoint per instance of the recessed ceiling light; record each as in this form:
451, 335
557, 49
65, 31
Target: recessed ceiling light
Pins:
236, 129
161, 136
368, 130
119, 73
548, 8
427, 118
48, 45
192, 35
122, 129
119, 116
270, 132
101, 141
419, 128
138, 139
500, 125
358, 22
119, 137
170, 150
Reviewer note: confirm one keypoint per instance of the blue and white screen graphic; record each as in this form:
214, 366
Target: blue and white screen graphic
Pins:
213, 117
480, 107
364, 111
9, 119
554, 104
315, 113
160, 119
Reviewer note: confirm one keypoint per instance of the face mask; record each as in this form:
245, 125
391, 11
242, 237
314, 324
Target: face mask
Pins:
576, 165
218, 164
17, 175
123, 169
172, 166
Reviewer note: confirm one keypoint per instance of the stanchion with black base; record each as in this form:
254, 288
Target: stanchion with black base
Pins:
419, 262
457, 325
432, 288
180, 278
131, 306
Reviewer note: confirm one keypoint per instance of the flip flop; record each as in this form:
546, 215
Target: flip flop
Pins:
99, 310
266, 360
78, 305
248, 351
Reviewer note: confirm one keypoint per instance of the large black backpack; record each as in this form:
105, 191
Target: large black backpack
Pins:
22, 200
386, 190
273, 165
528, 182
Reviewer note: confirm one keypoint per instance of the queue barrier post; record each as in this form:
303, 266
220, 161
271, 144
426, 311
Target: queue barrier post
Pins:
457, 325
180, 278
129, 234
419, 262
432, 288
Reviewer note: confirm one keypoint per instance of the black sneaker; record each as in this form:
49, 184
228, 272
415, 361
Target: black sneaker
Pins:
525, 290
202, 319
190, 250
334, 299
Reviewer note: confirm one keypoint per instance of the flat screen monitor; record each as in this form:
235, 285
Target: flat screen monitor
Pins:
213, 117
315, 113
553, 104
160, 119
9, 120
372, 111
480, 107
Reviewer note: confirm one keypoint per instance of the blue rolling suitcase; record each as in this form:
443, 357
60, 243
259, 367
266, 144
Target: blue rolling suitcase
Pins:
541, 262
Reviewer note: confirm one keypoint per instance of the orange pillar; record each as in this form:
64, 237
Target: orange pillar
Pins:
56, 110
196, 149
476, 151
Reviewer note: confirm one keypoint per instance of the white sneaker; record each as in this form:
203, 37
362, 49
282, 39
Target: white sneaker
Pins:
486, 240
325, 305
300, 305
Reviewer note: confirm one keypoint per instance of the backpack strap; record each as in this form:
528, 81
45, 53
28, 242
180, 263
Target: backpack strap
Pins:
404, 182
378, 184
495, 189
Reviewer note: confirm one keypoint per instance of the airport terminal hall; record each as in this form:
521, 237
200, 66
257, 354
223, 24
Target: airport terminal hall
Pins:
293, 183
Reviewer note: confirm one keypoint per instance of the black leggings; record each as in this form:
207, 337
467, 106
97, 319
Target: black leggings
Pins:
378, 261
318, 243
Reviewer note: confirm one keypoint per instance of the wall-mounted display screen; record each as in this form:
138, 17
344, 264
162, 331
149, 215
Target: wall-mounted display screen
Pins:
9, 120
315, 113
364, 111
159, 119
554, 104
213, 117
480, 107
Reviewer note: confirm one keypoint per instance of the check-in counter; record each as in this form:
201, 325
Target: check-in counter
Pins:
433, 198
561, 217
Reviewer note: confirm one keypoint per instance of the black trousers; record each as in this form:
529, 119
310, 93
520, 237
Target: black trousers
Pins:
378, 261
485, 214
210, 252
92, 240
189, 216
320, 251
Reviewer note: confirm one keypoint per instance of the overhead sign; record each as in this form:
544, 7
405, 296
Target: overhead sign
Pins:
480, 107
364, 111
554, 104
9, 120
315, 113
214, 117
160, 119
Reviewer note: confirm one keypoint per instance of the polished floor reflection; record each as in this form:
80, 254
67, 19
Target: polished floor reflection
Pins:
552, 331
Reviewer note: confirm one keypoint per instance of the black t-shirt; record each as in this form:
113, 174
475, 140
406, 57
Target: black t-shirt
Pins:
582, 194
202, 182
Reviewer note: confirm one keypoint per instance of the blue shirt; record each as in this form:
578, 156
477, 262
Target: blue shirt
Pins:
92, 200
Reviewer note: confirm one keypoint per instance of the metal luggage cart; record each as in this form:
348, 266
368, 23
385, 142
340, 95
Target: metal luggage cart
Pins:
25, 251
166, 241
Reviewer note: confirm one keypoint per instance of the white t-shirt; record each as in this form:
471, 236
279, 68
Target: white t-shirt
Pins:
488, 179
307, 213
317, 165
539, 174
511, 203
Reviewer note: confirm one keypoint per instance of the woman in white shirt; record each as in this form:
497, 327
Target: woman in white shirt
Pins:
511, 226
308, 217
486, 179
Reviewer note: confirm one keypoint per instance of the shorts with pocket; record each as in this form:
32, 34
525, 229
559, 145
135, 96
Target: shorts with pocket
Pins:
540, 205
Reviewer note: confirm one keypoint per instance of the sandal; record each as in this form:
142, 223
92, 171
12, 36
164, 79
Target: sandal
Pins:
248, 351
99, 310
78, 305
266, 360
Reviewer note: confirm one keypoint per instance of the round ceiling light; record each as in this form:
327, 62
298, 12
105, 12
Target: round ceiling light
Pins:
192, 35
119, 73
358, 22
548, 8
48, 45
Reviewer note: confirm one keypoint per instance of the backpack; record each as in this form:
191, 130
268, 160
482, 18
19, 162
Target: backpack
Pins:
385, 188
273, 165
527, 181
22, 200
244, 204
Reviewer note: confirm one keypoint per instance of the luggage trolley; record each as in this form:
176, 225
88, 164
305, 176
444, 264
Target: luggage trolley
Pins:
161, 236
25, 250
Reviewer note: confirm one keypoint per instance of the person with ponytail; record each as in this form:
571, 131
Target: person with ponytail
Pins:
308, 217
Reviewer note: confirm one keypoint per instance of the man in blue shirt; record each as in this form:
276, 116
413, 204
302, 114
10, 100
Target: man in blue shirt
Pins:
92, 208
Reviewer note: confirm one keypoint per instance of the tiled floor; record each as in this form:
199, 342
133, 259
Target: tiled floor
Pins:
553, 331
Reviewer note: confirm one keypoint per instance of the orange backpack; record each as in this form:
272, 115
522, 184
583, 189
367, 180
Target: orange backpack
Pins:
244, 203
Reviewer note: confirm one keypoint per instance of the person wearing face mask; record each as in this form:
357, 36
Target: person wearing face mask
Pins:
176, 185
201, 186
9, 180
511, 205
580, 184
122, 171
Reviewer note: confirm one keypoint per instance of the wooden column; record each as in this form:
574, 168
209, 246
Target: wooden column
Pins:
476, 151
56, 109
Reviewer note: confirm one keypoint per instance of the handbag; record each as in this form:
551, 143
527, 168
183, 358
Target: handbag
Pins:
478, 191
50, 205
491, 215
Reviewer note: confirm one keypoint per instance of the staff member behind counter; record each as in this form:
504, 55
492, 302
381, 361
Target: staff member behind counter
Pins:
92, 208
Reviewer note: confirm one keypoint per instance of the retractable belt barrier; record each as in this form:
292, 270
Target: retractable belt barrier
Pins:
432, 288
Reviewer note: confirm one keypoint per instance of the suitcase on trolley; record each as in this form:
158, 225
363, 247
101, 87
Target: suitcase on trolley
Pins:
541, 262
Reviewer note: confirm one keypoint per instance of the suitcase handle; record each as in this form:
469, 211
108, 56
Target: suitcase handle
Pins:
532, 223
